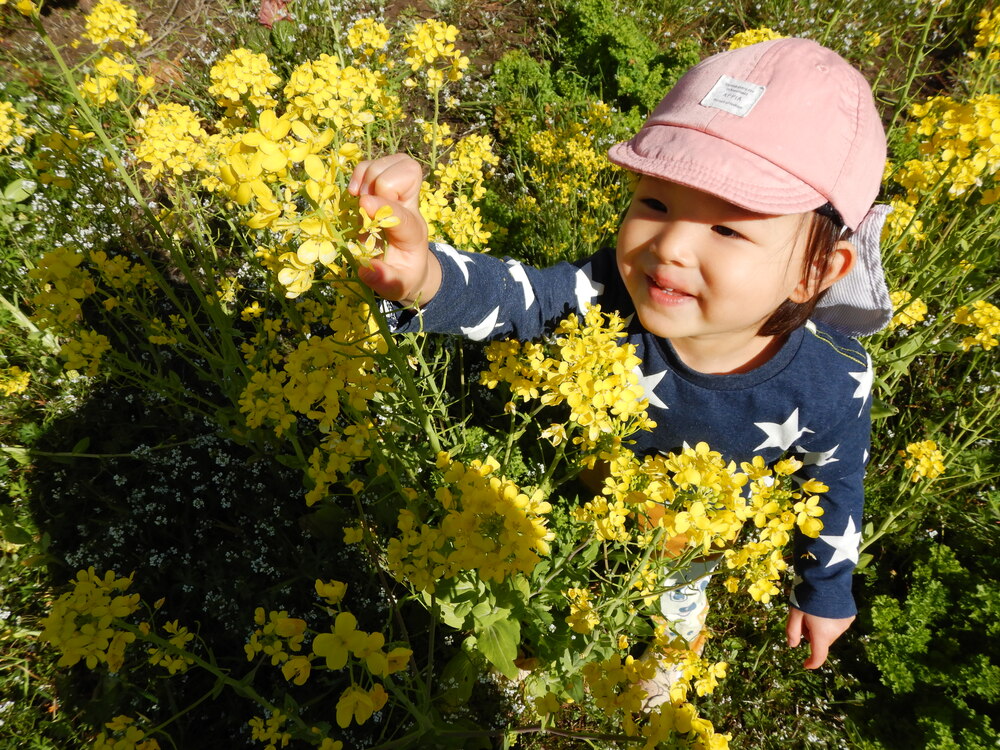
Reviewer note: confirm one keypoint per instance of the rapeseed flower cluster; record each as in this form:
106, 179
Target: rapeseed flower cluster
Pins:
101, 86
178, 637
14, 380
671, 722
489, 527
123, 734
270, 731
110, 23
172, 142
776, 511
277, 636
14, 134
25, 7
575, 194
987, 34
959, 145
63, 284
702, 504
319, 377
84, 352
281, 638
582, 616
59, 151
243, 77
984, 316
345, 640
616, 686
449, 207
65, 280
902, 222
753, 36
347, 98
366, 37
925, 458
82, 622
574, 180
910, 310
587, 369
430, 48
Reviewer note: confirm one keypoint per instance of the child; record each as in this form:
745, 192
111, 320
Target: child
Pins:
747, 260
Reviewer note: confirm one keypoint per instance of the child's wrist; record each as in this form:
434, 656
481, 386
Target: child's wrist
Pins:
430, 285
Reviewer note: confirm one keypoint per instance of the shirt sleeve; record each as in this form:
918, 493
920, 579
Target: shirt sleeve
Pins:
824, 564
483, 297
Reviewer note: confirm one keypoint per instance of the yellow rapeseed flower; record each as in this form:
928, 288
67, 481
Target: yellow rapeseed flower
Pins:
988, 33
986, 317
925, 459
13, 380
753, 36
111, 22
172, 142
13, 132
910, 310
243, 74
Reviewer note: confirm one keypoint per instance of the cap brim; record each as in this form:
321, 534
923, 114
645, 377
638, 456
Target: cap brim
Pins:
716, 166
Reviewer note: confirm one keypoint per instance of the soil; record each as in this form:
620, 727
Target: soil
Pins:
180, 29
186, 31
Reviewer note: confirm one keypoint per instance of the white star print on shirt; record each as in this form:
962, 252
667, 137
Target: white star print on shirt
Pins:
484, 328
865, 380
845, 546
460, 260
587, 289
649, 383
517, 272
781, 435
818, 458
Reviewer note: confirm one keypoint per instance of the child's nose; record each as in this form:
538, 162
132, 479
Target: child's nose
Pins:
674, 243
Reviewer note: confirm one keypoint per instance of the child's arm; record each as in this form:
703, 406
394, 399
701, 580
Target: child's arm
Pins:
407, 272
821, 632
476, 295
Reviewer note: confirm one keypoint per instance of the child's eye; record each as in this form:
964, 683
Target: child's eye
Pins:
726, 231
654, 204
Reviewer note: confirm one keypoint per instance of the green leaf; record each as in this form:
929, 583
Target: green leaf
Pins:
498, 643
882, 409
18, 190
81, 446
460, 675
17, 453
16, 535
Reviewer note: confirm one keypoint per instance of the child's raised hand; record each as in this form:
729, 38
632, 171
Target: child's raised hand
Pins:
407, 271
821, 632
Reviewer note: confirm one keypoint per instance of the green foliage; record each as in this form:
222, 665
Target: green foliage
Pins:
608, 48
936, 650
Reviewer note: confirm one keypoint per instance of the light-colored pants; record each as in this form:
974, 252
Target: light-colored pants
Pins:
686, 607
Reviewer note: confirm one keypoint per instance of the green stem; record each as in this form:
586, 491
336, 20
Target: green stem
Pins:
48, 340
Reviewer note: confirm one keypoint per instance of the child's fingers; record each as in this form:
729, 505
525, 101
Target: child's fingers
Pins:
410, 234
396, 177
818, 651
793, 628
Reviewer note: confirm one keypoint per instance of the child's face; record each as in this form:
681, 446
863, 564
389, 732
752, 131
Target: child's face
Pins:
706, 274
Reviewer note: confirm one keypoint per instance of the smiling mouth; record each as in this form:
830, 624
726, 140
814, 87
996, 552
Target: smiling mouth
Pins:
666, 290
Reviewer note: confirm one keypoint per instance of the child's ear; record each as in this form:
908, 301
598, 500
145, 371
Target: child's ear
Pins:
841, 261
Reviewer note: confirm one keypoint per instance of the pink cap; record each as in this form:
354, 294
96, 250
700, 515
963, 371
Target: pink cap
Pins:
779, 127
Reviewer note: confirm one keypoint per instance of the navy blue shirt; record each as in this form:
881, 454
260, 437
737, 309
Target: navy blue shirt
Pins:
811, 400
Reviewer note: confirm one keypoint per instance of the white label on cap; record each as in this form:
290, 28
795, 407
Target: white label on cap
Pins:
733, 96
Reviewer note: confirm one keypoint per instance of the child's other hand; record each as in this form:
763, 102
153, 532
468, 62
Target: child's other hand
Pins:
408, 271
821, 632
